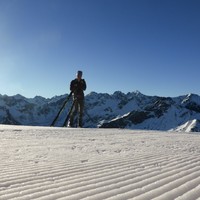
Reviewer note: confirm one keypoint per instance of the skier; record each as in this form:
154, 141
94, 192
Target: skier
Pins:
77, 86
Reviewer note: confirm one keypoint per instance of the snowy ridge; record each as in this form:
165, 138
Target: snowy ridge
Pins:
188, 126
98, 164
132, 110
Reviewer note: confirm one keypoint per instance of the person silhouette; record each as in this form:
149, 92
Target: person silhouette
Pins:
77, 87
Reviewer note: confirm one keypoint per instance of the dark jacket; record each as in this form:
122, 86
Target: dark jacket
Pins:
77, 87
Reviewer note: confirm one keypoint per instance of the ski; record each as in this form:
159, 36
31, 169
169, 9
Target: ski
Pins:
61, 109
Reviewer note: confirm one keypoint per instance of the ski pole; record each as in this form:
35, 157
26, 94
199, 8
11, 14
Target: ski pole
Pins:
61, 109
70, 111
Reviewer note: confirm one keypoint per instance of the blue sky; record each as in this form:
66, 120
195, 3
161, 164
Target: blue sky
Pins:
148, 45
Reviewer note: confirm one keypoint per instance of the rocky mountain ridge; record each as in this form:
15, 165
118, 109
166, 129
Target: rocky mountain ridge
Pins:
133, 110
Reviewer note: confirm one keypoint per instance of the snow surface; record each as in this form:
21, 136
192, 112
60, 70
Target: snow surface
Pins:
95, 164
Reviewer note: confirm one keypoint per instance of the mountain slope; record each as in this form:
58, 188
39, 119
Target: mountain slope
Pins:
132, 110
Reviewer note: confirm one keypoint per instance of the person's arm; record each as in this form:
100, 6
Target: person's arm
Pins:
73, 86
83, 84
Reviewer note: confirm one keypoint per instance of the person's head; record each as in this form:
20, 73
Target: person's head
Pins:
79, 75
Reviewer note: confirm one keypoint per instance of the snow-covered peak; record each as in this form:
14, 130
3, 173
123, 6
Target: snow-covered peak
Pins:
19, 96
38, 100
191, 98
189, 126
132, 110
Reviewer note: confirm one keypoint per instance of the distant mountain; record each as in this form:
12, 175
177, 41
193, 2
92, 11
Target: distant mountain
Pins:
132, 110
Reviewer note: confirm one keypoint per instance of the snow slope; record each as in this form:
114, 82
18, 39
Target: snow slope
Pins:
95, 164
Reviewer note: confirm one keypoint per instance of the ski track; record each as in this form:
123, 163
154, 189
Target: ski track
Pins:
44, 163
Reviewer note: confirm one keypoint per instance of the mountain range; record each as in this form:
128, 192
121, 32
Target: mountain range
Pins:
133, 110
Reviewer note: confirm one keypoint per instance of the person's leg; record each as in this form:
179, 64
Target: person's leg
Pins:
80, 119
73, 114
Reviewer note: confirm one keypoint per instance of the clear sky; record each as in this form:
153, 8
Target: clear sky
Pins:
148, 45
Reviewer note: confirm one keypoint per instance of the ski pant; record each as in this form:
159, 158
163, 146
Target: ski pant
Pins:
77, 110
